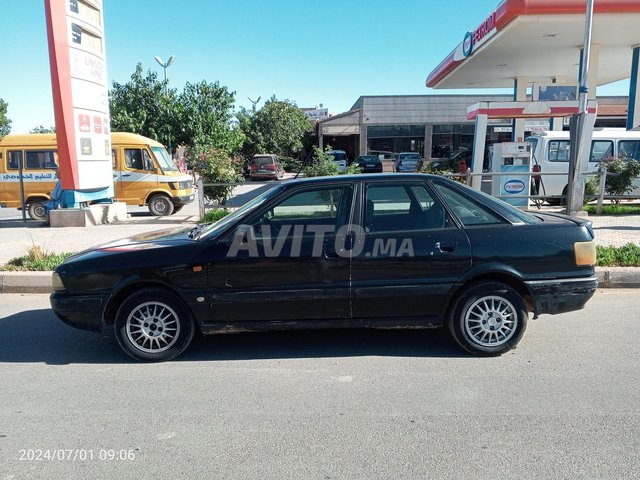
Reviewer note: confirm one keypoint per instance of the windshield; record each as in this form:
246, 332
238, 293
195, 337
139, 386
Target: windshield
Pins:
222, 224
163, 159
338, 156
409, 156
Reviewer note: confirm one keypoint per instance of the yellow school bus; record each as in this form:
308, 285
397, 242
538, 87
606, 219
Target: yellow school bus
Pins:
143, 173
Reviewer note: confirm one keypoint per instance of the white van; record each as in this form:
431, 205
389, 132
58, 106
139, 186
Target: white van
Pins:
550, 151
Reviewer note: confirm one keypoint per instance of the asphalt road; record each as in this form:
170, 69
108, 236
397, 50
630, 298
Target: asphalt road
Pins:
324, 405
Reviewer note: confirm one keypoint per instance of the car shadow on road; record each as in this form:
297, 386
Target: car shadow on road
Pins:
20, 224
37, 336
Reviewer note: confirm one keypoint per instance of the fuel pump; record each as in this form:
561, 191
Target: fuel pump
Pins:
513, 158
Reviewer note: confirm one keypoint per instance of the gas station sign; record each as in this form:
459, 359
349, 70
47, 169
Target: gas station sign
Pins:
75, 31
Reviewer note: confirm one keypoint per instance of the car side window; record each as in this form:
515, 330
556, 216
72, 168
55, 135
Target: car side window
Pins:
467, 210
40, 159
13, 160
401, 207
133, 158
558, 150
600, 150
629, 149
328, 207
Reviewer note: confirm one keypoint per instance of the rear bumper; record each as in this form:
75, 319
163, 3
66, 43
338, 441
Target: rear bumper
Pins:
560, 296
80, 311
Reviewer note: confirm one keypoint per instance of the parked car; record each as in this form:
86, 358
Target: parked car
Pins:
369, 163
379, 250
453, 163
339, 158
407, 162
265, 167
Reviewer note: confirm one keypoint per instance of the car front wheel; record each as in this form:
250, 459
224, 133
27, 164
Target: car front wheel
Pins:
160, 205
154, 325
36, 210
488, 319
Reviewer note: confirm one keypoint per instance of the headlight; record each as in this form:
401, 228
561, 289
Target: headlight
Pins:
57, 283
585, 253
185, 185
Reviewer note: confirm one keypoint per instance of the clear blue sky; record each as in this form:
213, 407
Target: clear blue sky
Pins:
310, 52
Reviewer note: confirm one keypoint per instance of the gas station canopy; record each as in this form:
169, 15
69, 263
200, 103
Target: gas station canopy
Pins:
540, 40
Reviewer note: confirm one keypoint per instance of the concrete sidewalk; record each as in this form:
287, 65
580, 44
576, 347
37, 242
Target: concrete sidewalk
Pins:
17, 237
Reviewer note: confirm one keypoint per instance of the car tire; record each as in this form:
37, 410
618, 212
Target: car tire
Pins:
488, 319
154, 325
37, 211
160, 205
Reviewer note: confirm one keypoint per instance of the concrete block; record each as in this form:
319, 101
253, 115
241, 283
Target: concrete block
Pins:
98, 214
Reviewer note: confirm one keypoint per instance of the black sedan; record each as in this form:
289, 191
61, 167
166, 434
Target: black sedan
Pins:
369, 163
386, 251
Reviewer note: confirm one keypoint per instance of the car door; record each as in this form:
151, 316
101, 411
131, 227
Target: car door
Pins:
282, 263
137, 177
412, 253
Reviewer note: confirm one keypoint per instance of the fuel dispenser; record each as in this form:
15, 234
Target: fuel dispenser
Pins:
513, 158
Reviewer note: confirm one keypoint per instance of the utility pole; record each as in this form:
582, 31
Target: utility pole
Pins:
580, 143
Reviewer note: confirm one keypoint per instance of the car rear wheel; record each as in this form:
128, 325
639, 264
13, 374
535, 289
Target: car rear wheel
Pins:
488, 319
160, 205
36, 210
154, 325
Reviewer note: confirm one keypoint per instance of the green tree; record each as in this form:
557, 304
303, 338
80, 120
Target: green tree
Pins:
278, 127
205, 113
141, 106
5, 123
43, 129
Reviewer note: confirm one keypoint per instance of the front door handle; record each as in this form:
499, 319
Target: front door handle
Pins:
445, 246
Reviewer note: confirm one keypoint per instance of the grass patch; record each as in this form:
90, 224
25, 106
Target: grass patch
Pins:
215, 215
626, 256
37, 259
615, 209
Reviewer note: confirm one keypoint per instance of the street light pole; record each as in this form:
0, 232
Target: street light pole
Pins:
164, 66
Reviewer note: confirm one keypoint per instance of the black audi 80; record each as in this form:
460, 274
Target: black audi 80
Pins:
381, 251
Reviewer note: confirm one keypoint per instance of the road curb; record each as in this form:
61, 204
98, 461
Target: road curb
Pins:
25, 282
40, 282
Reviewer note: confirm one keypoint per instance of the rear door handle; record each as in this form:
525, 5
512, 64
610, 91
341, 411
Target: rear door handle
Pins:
446, 246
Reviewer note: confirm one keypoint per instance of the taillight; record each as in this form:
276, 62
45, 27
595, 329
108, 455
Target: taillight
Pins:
271, 167
585, 253
254, 167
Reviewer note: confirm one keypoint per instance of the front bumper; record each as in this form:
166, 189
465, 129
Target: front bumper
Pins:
562, 295
80, 311
183, 199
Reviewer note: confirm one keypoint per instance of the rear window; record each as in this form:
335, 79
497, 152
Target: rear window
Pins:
409, 156
338, 155
262, 160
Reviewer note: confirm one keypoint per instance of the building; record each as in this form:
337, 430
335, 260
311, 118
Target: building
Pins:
436, 126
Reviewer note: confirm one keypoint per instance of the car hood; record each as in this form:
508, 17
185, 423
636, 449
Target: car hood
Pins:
143, 241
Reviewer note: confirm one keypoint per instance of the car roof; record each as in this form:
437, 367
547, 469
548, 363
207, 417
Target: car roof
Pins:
360, 177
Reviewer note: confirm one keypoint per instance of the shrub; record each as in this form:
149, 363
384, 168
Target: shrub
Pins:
215, 166
36, 259
290, 164
320, 164
626, 256
215, 215
621, 172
